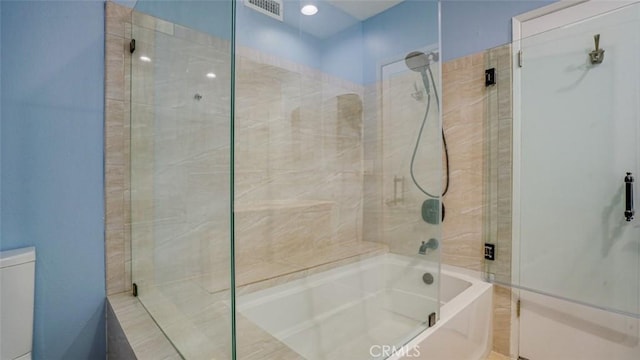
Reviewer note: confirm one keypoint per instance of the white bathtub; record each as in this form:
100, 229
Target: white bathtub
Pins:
372, 307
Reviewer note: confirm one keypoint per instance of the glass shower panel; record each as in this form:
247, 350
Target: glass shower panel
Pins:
579, 138
411, 156
317, 275
180, 172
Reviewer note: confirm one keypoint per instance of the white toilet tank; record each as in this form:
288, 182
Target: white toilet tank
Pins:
17, 276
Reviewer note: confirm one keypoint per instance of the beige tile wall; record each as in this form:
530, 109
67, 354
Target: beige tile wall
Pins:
298, 169
463, 100
498, 168
477, 122
117, 62
402, 113
180, 154
498, 162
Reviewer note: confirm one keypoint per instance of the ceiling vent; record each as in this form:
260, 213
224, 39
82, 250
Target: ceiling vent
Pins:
271, 8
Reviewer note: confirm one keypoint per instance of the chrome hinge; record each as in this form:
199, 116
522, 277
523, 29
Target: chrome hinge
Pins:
432, 319
518, 308
134, 289
520, 58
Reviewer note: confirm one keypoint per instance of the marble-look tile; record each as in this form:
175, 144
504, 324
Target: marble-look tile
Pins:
402, 110
501, 319
463, 123
117, 257
118, 346
152, 23
500, 194
114, 67
499, 120
114, 205
116, 16
115, 261
146, 339
497, 356
280, 126
198, 37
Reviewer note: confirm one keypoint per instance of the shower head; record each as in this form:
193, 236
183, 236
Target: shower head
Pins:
417, 61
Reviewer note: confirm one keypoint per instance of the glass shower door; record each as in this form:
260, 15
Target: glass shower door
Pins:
578, 140
180, 172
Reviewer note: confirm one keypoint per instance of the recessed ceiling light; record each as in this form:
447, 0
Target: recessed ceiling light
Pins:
211, 75
309, 10
145, 58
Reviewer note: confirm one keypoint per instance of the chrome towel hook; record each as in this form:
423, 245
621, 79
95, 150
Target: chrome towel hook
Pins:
596, 56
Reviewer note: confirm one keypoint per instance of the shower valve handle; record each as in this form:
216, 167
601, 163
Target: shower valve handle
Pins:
629, 212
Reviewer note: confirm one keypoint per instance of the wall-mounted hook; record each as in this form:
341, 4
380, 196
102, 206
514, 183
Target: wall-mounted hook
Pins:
596, 56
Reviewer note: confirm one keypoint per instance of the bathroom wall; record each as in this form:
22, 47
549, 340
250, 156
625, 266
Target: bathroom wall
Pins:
209, 17
463, 121
298, 175
52, 177
390, 35
298, 161
477, 123
298, 167
395, 108
498, 187
180, 151
116, 157
470, 26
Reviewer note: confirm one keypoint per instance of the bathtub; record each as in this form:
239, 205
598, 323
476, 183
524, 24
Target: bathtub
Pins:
377, 308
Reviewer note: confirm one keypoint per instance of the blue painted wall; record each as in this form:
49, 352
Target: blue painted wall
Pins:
271, 36
407, 26
356, 53
342, 55
52, 166
211, 17
472, 26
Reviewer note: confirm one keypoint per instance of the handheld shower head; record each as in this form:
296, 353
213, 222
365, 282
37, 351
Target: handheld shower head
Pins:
419, 62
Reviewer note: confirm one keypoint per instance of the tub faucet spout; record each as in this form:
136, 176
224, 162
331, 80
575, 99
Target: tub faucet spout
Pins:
432, 244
